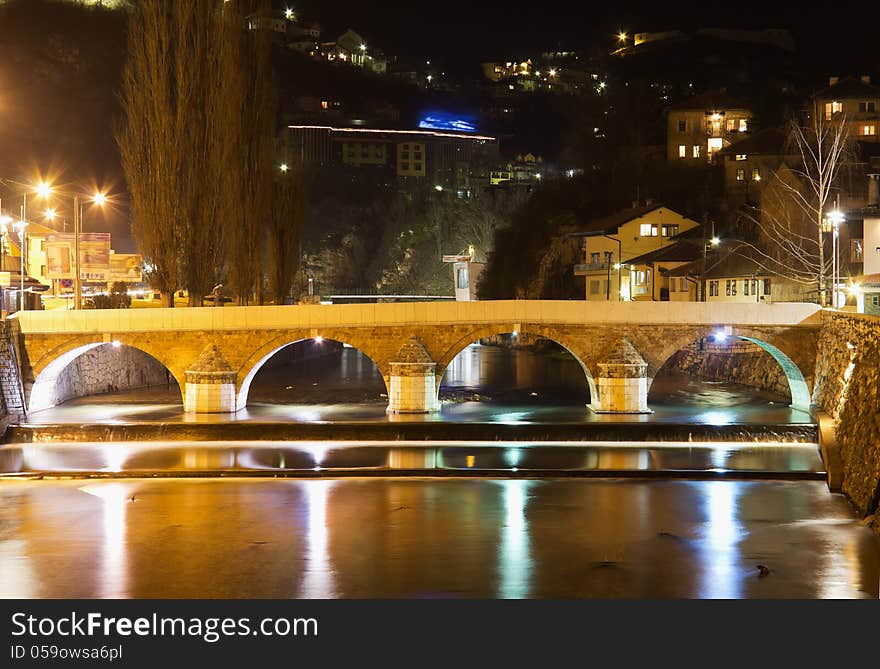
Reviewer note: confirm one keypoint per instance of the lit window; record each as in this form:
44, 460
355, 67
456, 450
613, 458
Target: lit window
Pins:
645, 230
743, 125
740, 175
756, 174
670, 230
832, 108
731, 124
325, 104
856, 254
682, 151
696, 150
741, 156
869, 130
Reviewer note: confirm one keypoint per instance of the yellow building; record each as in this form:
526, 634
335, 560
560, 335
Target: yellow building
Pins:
857, 100
610, 243
700, 127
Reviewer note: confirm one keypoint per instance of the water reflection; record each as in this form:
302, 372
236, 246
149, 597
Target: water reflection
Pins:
721, 576
392, 538
318, 580
514, 562
508, 375
115, 498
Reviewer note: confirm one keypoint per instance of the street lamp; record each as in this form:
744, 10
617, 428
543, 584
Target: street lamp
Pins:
22, 236
836, 218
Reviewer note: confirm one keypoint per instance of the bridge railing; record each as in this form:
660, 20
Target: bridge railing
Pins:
510, 312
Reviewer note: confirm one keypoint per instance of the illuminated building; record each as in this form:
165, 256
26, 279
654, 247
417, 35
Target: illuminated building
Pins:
702, 126
858, 100
417, 158
610, 244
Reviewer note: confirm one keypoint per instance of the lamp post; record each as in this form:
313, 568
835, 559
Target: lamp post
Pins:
22, 235
836, 218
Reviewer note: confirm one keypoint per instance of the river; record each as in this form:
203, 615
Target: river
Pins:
432, 538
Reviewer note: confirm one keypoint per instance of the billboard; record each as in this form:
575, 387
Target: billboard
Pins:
125, 267
445, 121
94, 254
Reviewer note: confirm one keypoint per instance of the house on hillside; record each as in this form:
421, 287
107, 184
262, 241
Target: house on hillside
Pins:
702, 126
609, 244
749, 165
737, 273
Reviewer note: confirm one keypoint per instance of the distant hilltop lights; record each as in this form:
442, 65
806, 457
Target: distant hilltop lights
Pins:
440, 121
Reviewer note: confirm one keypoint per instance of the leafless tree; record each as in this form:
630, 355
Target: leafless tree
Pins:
791, 220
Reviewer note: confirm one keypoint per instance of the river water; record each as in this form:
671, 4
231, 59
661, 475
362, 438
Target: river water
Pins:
432, 538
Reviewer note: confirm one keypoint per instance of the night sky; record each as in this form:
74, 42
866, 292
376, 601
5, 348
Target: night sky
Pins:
832, 38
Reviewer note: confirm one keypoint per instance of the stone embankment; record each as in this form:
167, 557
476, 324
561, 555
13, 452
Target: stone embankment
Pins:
735, 362
847, 390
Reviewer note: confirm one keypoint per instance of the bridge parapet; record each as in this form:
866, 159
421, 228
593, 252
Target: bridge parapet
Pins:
247, 337
417, 313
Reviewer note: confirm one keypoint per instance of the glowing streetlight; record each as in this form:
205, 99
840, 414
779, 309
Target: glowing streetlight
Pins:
836, 218
621, 37
284, 167
715, 241
363, 47
288, 14
21, 227
99, 199
50, 214
552, 72
44, 189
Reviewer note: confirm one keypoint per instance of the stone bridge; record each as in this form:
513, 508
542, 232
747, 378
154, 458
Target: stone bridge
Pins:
214, 353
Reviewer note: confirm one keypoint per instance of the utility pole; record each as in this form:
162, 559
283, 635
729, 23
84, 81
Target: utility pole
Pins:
77, 280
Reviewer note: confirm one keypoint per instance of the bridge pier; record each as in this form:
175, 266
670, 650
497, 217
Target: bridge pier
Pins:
623, 381
413, 383
210, 384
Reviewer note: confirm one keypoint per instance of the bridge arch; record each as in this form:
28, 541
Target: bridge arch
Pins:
533, 330
265, 353
44, 392
770, 343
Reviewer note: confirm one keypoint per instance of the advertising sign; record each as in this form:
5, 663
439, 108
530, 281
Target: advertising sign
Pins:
94, 253
125, 267
59, 259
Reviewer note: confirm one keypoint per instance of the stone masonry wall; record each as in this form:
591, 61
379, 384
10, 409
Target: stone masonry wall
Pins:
734, 361
106, 369
11, 400
848, 389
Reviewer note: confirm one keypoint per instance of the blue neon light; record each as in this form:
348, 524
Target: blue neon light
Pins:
443, 121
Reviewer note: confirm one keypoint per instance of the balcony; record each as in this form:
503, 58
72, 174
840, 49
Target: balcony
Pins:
585, 268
